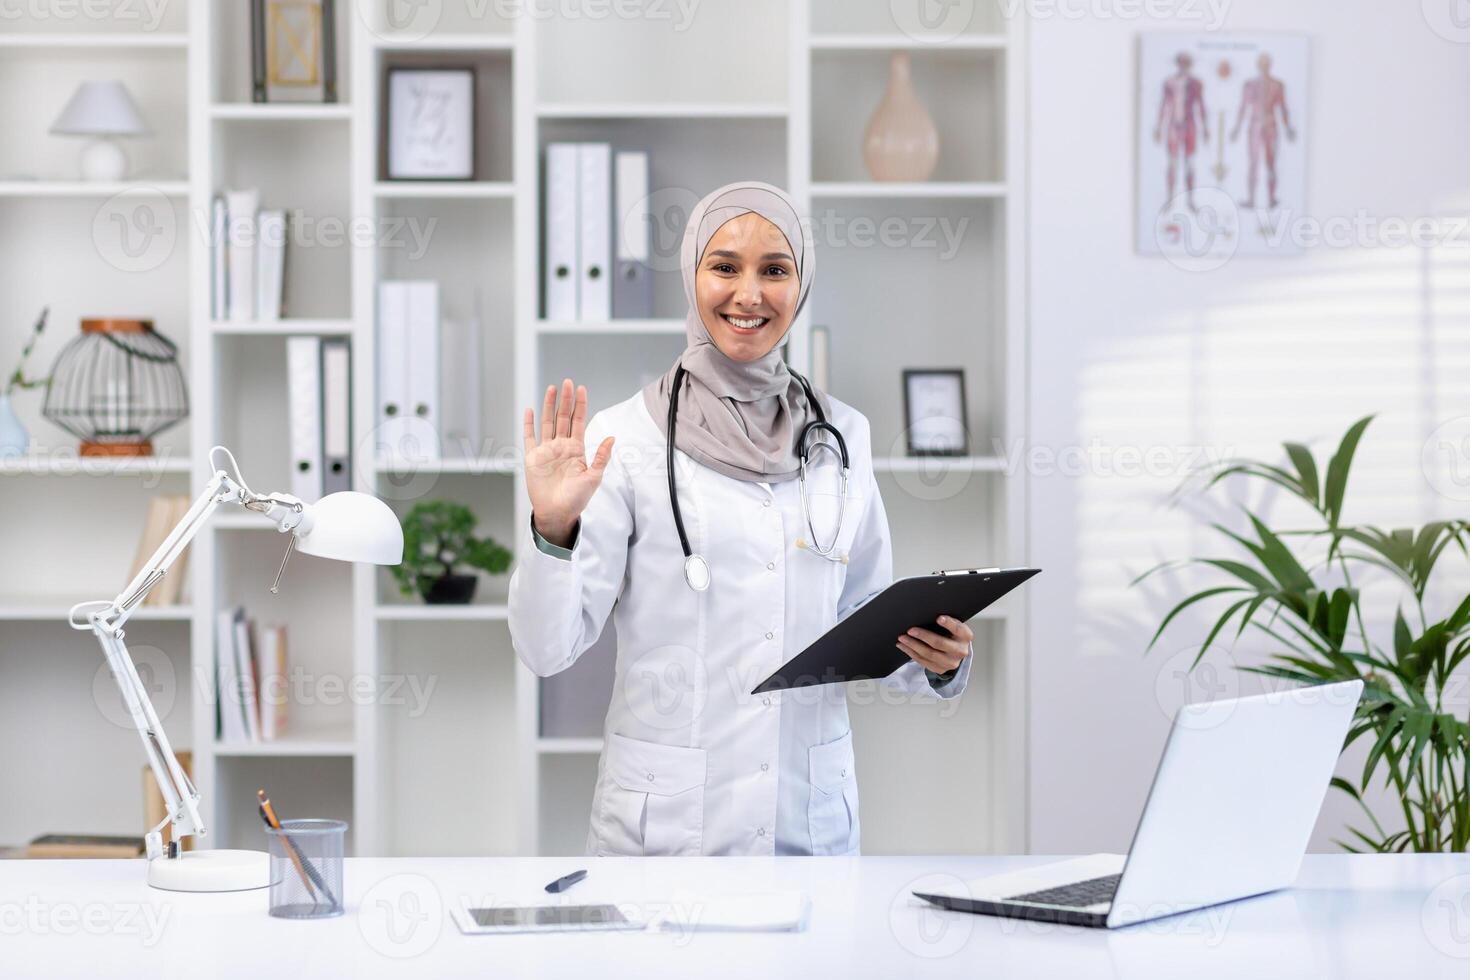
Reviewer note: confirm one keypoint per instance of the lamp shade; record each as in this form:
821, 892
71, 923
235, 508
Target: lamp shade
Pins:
100, 109
352, 526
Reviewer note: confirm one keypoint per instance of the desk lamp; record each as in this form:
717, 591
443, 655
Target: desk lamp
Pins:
346, 526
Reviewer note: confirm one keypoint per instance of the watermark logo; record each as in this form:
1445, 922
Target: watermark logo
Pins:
661, 217
1198, 230
147, 15
660, 688
1445, 459
1450, 19
1445, 917
401, 916
135, 230
400, 20
925, 930
1198, 695
932, 21
35, 917
155, 672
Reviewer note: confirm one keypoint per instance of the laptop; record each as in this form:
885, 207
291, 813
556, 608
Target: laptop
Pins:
1232, 805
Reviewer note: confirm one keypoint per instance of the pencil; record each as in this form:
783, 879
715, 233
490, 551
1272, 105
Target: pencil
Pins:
268, 814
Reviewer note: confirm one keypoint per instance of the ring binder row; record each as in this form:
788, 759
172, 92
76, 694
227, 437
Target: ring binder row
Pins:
595, 197
319, 397
247, 258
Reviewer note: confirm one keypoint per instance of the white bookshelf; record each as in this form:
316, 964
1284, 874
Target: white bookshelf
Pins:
814, 71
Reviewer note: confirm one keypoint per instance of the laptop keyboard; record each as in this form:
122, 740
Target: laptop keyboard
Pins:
1079, 894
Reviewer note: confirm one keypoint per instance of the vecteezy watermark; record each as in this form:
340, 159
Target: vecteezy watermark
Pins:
1445, 917
1207, 14
411, 235
1362, 229
160, 684
401, 916
1210, 685
413, 20
660, 687
37, 917
1199, 229
1445, 459
146, 15
1450, 19
308, 689
135, 230
924, 929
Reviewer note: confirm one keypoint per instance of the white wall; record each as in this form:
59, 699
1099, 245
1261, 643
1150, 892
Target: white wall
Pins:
1137, 354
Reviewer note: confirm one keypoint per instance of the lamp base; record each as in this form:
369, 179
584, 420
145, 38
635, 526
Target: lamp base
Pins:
102, 159
210, 871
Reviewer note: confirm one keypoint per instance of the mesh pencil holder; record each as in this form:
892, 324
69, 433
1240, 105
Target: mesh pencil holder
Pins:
306, 868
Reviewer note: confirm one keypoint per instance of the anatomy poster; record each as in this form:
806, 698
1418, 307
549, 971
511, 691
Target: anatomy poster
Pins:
1222, 120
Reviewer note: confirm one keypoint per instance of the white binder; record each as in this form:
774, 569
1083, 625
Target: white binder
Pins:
422, 425
459, 387
270, 264
219, 257
561, 231
304, 402
594, 212
392, 408
241, 207
336, 415
632, 274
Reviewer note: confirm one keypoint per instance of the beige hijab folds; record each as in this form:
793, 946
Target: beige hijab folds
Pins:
740, 418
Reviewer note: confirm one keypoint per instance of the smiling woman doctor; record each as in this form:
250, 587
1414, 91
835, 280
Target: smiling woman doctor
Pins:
692, 763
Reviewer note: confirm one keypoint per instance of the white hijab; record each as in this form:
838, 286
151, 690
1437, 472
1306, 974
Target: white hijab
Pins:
740, 418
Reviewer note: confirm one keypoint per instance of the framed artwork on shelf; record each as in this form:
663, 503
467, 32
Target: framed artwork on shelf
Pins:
293, 51
934, 411
431, 123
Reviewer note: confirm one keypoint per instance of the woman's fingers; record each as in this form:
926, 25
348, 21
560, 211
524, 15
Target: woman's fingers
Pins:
579, 414
564, 410
548, 415
937, 652
603, 454
926, 656
528, 432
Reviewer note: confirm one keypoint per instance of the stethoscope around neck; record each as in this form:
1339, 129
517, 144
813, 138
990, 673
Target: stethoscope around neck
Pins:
696, 569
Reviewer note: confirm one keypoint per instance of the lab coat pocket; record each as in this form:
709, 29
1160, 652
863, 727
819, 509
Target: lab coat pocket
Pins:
832, 813
653, 802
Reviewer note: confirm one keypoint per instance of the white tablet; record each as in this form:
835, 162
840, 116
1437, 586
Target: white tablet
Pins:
547, 918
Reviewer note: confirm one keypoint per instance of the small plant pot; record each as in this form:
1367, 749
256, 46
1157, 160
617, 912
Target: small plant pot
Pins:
451, 590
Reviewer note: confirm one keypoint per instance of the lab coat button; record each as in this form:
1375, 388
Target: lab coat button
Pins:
765, 767
650, 776
760, 832
770, 635
766, 502
766, 702
771, 566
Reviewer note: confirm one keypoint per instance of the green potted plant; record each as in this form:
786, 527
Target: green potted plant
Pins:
1298, 589
14, 439
439, 537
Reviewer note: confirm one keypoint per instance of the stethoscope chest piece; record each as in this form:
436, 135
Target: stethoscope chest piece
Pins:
696, 572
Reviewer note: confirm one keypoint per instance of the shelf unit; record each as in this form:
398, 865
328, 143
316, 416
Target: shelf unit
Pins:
815, 70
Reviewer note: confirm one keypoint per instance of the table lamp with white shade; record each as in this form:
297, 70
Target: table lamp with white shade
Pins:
103, 111
345, 526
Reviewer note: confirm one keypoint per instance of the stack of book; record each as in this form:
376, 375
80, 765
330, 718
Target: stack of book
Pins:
247, 259
250, 679
164, 513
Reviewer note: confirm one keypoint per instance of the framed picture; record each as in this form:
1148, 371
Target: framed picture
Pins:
1221, 144
431, 123
934, 411
293, 51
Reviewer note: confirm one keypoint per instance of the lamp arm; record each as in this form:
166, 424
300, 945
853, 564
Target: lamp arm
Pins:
106, 618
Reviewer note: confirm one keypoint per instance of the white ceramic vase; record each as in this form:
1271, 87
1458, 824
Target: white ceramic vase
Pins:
14, 439
901, 142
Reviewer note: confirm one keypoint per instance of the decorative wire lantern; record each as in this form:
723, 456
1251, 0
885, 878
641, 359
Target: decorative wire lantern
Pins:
116, 387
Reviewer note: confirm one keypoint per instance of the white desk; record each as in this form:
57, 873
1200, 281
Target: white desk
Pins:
1371, 917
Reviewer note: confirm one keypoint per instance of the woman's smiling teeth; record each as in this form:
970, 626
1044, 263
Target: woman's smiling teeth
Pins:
745, 324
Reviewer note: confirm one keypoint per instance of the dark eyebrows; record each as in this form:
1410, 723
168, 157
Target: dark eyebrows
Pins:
726, 253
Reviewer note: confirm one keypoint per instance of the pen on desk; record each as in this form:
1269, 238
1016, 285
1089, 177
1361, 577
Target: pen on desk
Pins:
567, 881
304, 867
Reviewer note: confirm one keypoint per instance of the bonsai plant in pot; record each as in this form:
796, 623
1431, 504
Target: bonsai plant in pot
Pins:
438, 538
1299, 589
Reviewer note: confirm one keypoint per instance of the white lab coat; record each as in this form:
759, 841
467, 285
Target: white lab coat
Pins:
692, 762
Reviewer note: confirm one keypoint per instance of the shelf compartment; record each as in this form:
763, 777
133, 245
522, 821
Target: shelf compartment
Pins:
404, 612
662, 110
900, 42
308, 742
280, 111
451, 189
482, 466
493, 504
73, 465
963, 91
569, 746
56, 609
494, 133
229, 57
96, 40
629, 327
959, 23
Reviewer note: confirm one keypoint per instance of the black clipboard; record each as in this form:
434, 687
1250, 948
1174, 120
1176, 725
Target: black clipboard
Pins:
864, 645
